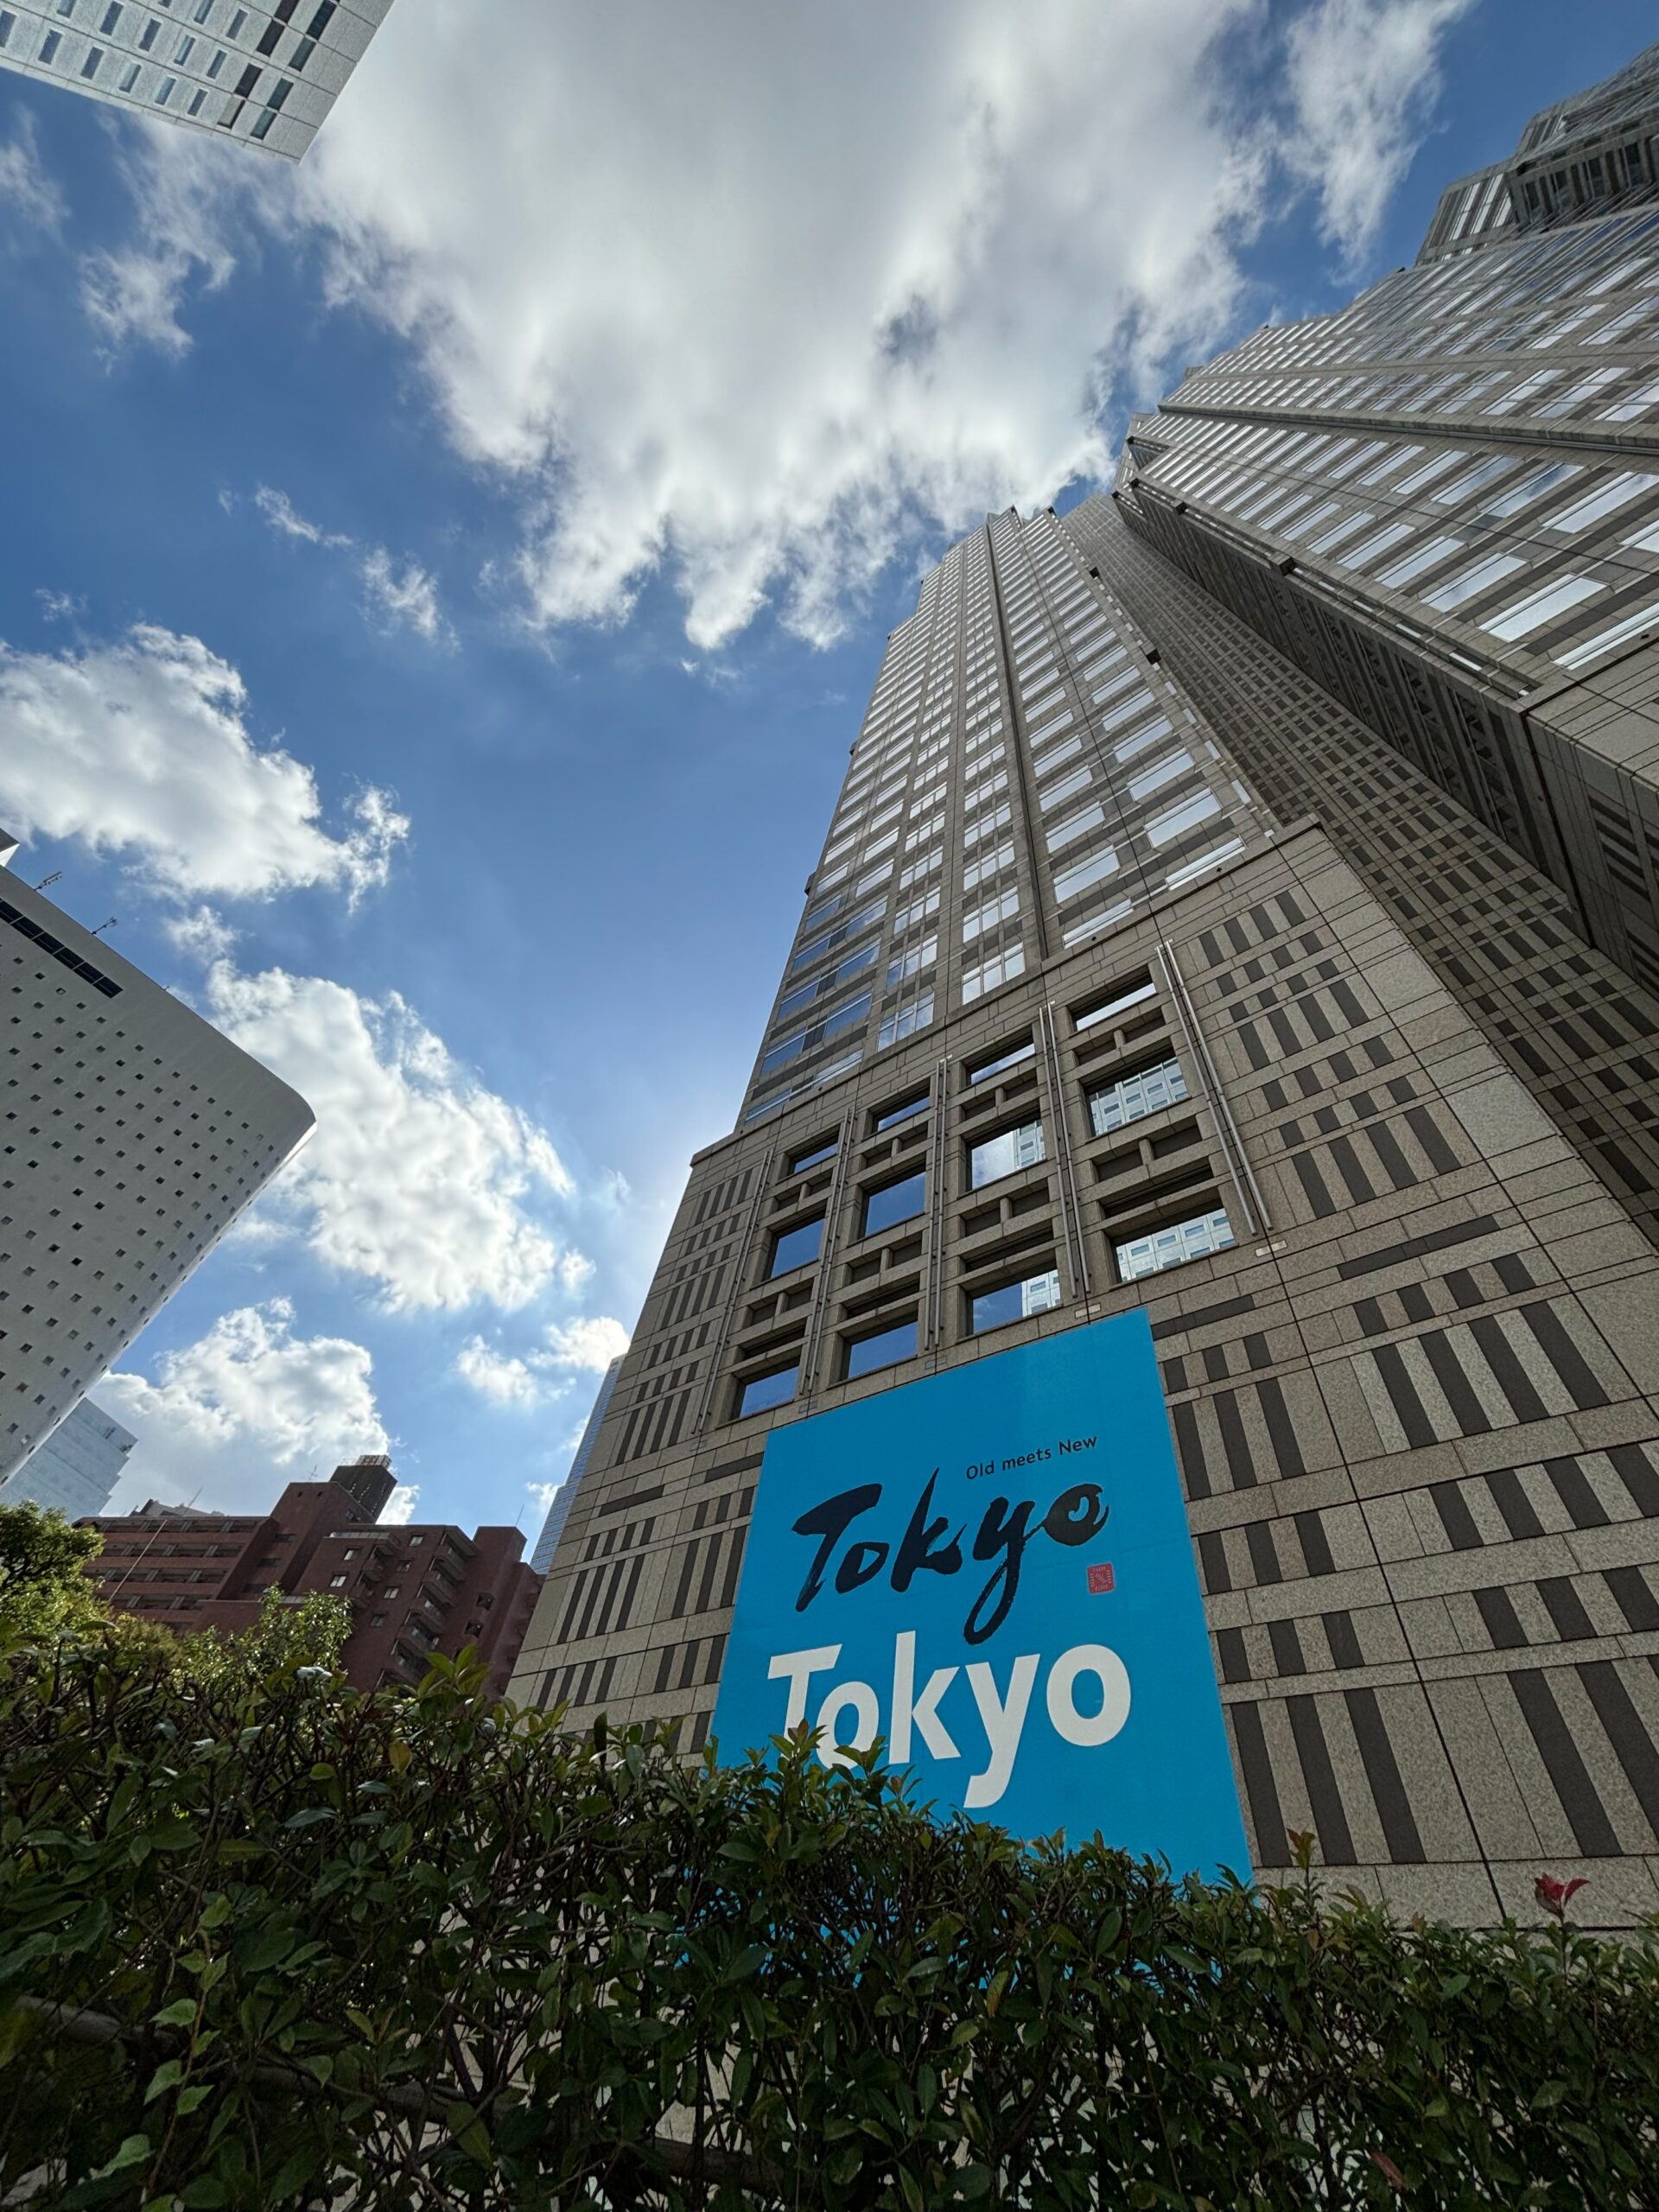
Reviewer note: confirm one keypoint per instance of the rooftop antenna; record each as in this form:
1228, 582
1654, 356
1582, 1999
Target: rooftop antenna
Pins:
102, 926
46, 882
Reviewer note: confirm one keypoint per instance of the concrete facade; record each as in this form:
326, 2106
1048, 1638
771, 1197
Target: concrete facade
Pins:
1144, 965
76, 1468
132, 1134
267, 75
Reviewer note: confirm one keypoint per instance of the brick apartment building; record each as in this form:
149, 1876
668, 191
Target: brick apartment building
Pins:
414, 1590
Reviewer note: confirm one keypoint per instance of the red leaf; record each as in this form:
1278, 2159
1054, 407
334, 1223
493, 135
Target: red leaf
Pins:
1390, 2172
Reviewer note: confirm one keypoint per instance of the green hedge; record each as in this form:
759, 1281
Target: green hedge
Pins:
277, 1944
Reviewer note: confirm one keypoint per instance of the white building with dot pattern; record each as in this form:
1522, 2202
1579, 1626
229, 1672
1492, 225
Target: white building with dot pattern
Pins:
132, 1134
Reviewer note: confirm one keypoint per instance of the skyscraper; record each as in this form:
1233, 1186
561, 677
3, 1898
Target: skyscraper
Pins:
559, 1511
1219, 930
267, 74
76, 1468
132, 1135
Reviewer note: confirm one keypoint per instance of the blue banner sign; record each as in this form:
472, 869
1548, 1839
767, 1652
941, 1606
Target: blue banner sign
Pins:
991, 1570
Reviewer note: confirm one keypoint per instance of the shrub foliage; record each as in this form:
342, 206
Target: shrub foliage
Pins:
264, 1942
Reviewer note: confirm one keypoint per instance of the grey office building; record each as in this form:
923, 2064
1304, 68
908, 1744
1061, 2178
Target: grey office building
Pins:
565, 1496
1240, 904
74, 1469
267, 74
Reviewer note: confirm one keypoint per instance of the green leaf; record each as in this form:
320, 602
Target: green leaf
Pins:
134, 2150
170, 2072
194, 2097
179, 2014
207, 2190
1549, 2096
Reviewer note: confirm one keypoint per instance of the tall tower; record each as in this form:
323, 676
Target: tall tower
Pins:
266, 74
1150, 964
132, 1134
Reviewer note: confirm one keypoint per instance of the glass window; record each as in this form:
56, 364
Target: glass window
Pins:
1138, 740
1619, 634
49, 46
912, 962
917, 1103
903, 1022
1170, 1247
1627, 486
1380, 542
1422, 557
1541, 606
990, 975
793, 1248
1013, 1301
813, 1156
1528, 489
1186, 816
1148, 780
1006, 1057
1429, 471
1133, 992
1005, 1153
1476, 480
1071, 883
886, 1349
1480, 578
762, 1392
1146, 1091
1136, 704
895, 1202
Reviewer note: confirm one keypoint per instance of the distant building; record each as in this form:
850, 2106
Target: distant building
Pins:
77, 1466
266, 74
134, 1135
547, 1543
413, 1589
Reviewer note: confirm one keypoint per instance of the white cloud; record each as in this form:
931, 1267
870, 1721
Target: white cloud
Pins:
793, 292
544, 1372
406, 595
416, 1178
1362, 75
58, 606
140, 748
201, 934
409, 596
503, 1380
589, 1343
247, 1408
544, 1494
136, 295
279, 512
35, 200
400, 1506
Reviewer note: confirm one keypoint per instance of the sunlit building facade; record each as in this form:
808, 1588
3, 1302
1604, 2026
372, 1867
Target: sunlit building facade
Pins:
266, 74
1208, 926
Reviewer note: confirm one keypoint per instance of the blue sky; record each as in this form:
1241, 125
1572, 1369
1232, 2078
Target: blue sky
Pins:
439, 586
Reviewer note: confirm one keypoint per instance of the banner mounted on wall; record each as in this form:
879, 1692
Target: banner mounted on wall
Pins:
991, 1570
